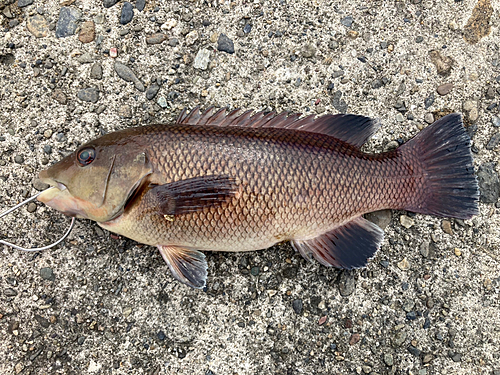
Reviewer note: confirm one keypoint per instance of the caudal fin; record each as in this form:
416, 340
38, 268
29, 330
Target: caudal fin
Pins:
443, 150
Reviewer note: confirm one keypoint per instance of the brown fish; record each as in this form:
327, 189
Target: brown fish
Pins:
229, 182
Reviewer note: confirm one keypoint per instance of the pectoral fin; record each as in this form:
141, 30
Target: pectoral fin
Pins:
193, 194
187, 265
348, 246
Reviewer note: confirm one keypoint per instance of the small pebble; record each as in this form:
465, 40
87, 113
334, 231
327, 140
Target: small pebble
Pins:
473, 114
162, 102
347, 283
495, 121
127, 13
60, 97
90, 94
87, 32
347, 21
169, 24
429, 101
444, 89
404, 265
225, 44
406, 221
388, 359
125, 111
156, 38
424, 249
490, 93
85, 58
109, 3
127, 311
468, 105
67, 22
429, 118
297, 306
493, 142
446, 226
46, 273
38, 26
9, 292
427, 358
113, 52
308, 50
381, 218
192, 37
457, 251
19, 159
125, 73
202, 59
414, 351
152, 91
96, 71
24, 3
355, 337
140, 5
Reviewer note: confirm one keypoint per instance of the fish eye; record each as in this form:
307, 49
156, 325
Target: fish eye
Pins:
86, 156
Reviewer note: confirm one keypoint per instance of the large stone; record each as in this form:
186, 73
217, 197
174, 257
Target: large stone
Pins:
478, 25
90, 94
67, 22
87, 33
38, 26
489, 184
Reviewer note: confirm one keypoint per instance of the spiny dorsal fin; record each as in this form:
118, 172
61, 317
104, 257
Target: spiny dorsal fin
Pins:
353, 129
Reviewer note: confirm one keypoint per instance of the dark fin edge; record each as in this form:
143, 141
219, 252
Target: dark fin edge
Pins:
191, 195
444, 151
348, 246
353, 129
187, 265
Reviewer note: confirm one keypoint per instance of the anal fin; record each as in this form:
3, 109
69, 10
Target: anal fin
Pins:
348, 246
187, 265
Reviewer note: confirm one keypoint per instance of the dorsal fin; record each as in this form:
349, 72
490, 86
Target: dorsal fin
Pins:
353, 129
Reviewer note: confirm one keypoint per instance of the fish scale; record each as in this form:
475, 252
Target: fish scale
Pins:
239, 183
337, 195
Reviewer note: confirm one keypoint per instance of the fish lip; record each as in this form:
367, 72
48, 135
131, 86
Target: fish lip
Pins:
53, 183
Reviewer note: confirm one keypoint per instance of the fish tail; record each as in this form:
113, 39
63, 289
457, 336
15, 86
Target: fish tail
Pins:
443, 153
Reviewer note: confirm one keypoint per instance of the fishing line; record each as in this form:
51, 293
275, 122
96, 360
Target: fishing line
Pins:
66, 234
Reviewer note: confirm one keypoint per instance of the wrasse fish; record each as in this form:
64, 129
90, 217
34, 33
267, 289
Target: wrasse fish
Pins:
227, 181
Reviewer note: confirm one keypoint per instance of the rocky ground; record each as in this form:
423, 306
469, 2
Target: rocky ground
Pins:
72, 70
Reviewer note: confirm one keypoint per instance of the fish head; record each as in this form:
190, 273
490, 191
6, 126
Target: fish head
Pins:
96, 181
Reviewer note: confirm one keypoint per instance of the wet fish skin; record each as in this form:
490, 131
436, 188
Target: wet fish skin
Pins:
256, 181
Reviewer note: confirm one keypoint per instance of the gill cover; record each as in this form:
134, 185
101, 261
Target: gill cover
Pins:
96, 180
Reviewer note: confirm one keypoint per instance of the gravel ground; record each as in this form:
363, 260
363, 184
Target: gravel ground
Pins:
72, 70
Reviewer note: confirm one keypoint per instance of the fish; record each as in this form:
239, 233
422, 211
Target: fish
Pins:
242, 181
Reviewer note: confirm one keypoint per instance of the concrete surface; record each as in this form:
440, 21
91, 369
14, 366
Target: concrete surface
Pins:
427, 304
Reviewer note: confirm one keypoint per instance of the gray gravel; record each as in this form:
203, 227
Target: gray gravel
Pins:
427, 303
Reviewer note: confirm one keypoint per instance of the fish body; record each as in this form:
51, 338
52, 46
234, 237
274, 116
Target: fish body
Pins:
222, 182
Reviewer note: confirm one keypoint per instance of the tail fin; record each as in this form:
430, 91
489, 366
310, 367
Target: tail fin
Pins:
443, 150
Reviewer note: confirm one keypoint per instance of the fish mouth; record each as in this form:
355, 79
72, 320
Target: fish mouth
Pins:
58, 197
